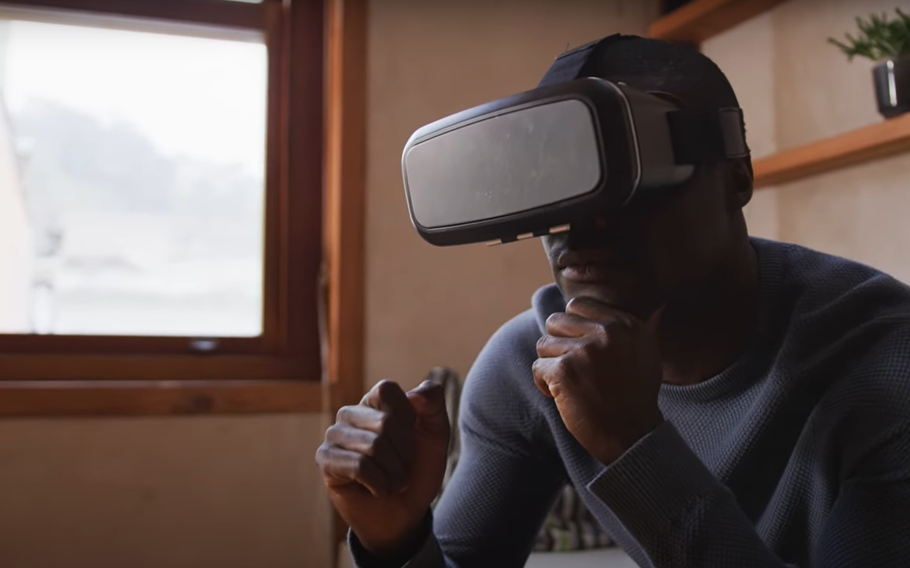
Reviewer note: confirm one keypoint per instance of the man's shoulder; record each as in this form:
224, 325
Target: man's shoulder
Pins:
848, 322
512, 348
836, 292
500, 398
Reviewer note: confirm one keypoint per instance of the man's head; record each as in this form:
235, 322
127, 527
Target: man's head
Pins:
671, 244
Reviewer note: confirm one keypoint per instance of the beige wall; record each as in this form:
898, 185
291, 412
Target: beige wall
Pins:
244, 491
796, 88
431, 306
162, 493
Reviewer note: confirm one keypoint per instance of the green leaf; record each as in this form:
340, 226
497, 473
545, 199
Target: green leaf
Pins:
879, 37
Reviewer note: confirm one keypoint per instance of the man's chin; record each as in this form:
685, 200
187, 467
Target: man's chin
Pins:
627, 300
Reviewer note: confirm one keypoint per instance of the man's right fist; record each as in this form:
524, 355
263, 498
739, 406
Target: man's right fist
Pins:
383, 462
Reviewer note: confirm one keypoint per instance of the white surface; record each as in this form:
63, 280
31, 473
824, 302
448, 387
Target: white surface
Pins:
603, 558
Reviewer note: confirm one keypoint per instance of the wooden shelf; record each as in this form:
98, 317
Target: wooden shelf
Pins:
862, 145
697, 21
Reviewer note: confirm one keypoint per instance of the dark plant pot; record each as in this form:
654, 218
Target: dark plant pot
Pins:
892, 87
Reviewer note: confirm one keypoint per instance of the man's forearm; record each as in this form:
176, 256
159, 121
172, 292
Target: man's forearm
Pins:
677, 511
426, 553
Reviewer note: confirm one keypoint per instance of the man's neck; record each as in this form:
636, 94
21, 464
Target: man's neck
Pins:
703, 333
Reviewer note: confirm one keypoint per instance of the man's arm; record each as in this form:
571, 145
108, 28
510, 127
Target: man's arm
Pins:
507, 475
676, 510
682, 517
601, 367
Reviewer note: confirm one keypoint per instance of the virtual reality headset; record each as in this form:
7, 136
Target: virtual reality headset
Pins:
572, 149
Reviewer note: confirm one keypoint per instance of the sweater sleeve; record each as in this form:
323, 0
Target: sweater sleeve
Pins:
507, 474
682, 517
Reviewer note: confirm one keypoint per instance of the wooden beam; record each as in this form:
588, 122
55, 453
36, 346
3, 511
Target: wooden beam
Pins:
345, 204
276, 254
862, 145
701, 19
301, 205
134, 398
219, 13
39, 343
345, 209
142, 367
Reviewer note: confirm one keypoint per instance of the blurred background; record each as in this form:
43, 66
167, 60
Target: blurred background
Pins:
132, 188
140, 161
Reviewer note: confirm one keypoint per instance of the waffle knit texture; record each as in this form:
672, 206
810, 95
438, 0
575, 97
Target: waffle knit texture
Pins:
796, 455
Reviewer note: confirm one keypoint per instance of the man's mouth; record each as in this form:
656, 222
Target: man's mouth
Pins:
589, 266
586, 273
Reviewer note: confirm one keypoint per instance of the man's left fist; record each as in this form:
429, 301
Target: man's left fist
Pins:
602, 366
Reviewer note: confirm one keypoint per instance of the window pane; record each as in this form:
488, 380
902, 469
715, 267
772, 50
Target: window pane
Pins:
131, 182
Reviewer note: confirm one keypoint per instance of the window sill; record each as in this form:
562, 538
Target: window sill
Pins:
157, 398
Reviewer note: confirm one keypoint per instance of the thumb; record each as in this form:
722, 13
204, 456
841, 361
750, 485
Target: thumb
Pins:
429, 402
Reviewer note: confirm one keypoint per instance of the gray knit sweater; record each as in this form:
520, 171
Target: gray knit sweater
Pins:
797, 455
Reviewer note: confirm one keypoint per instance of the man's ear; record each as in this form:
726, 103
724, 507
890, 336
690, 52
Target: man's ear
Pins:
739, 182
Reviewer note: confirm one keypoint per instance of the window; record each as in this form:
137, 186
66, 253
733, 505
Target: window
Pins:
142, 166
153, 224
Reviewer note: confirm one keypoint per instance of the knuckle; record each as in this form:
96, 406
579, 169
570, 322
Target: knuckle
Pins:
343, 415
362, 466
331, 433
386, 422
338, 435
601, 333
323, 456
564, 366
587, 352
554, 320
373, 444
574, 303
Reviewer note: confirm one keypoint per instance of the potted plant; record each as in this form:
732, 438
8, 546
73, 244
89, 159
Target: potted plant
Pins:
886, 42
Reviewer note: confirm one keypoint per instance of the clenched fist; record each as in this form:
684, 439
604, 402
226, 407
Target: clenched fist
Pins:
383, 462
602, 367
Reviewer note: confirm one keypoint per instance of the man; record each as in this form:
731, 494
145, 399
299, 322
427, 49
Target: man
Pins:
716, 400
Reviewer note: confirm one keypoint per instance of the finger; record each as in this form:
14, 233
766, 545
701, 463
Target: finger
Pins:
376, 446
340, 467
569, 325
537, 371
553, 346
388, 396
429, 403
549, 375
598, 311
362, 417
428, 399
398, 431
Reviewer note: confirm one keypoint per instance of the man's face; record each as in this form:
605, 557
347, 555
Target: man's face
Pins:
657, 247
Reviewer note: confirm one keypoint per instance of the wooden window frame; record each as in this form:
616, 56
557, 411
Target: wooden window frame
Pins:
280, 371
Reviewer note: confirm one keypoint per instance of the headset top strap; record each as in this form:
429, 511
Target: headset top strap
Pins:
698, 136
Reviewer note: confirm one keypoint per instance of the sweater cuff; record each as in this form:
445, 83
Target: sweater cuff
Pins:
656, 483
424, 552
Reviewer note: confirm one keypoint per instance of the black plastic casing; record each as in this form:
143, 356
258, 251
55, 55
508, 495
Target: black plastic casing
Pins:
634, 149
